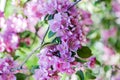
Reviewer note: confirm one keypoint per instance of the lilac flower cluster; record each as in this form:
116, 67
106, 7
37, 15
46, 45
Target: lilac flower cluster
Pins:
5, 69
68, 24
9, 38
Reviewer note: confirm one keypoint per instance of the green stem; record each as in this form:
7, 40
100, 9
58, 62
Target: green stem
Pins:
45, 36
30, 54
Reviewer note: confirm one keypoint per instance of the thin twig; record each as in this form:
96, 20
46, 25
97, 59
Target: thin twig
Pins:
116, 67
45, 36
30, 54
74, 4
26, 59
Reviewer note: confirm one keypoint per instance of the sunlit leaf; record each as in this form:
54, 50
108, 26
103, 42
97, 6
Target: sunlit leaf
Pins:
9, 9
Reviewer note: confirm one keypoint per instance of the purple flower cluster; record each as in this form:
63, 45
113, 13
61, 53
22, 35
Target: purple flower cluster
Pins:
9, 38
5, 69
68, 24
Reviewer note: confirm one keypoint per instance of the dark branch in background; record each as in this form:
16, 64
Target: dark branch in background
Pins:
39, 47
74, 4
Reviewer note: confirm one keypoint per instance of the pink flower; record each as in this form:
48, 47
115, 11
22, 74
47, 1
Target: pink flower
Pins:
92, 62
56, 23
13, 42
87, 21
2, 44
52, 5
73, 43
85, 14
109, 57
34, 13
116, 6
106, 34
1, 14
2, 20
32, 9
41, 74
17, 23
63, 48
85, 18
108, 50
5, 69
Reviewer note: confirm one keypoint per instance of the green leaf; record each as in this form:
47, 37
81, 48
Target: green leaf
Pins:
112, 41
25, 34
89, 75
9, 8
98, 62
51, 34
117, 46
57, 40
84, 52
34, 68
20, 76
24, 1
46, 44
106, 68
46, 16
80, 74
50, 17
97, 2
16, 57
23, 44
80, 60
